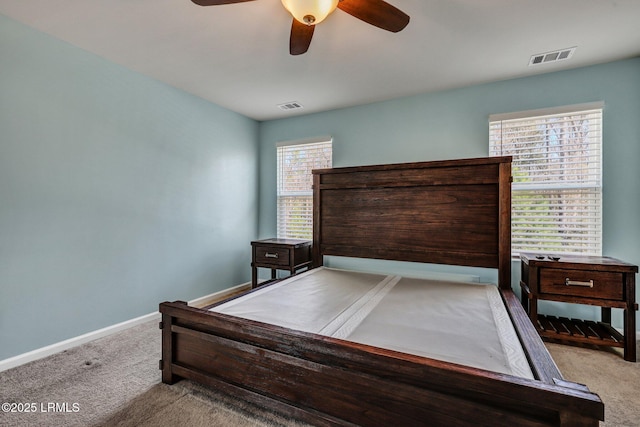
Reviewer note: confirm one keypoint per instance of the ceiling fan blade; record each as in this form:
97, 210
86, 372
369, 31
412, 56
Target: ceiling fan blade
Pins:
376, 12
217, 2
300, 39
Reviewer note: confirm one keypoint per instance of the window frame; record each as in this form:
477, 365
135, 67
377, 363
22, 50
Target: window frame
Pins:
571, 228
286, 228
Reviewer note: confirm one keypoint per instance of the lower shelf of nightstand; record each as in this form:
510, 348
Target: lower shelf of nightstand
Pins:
576, 330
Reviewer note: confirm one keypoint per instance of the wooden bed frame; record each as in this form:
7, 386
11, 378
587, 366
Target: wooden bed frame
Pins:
446, 212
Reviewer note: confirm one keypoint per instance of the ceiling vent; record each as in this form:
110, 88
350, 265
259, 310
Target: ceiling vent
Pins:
555, 56
288, 106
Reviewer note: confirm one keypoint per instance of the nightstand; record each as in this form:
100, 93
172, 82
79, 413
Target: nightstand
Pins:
600, 281
279, 254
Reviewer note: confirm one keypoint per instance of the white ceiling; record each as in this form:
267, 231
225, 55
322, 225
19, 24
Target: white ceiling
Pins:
237, 55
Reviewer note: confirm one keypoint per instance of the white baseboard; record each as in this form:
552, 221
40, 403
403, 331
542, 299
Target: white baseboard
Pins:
39, 353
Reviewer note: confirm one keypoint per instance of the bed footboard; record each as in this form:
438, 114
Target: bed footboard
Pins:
330, 382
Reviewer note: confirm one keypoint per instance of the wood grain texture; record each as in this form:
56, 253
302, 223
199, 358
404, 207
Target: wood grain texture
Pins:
433, 212
359, 384
453, 212
601, 281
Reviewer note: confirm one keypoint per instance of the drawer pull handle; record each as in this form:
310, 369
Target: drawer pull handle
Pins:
270, 255
569, 282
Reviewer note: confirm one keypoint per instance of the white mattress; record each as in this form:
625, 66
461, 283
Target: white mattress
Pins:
464, 323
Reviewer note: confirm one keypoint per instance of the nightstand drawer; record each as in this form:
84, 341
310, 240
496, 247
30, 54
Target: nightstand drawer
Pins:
580, 283
272, 255
279, 254
594, 280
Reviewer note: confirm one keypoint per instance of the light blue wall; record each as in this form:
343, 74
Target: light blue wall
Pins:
117, 192
454, 124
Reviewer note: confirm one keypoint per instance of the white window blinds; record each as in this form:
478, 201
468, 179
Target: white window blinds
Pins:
557, 178
295, 180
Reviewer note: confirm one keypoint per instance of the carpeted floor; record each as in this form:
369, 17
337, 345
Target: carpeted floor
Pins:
606, 373
115, 381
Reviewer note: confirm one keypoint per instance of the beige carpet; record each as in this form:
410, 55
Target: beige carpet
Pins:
190, 404
115, 381
606, 373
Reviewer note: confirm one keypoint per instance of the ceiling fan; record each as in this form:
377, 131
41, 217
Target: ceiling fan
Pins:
308, 13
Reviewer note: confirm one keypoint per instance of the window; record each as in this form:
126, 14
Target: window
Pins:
557, 178
295, 193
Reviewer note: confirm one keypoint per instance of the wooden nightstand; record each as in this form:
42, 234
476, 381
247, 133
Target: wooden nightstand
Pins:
600, 281
279, 254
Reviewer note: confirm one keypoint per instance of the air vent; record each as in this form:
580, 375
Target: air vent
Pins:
287, 106
555, 56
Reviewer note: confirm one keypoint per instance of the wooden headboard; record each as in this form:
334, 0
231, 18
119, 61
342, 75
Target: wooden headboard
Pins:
443, 212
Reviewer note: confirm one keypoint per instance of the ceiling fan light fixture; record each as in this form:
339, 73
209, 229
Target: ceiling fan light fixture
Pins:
310, 12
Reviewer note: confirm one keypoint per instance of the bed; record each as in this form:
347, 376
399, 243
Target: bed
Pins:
453, 212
